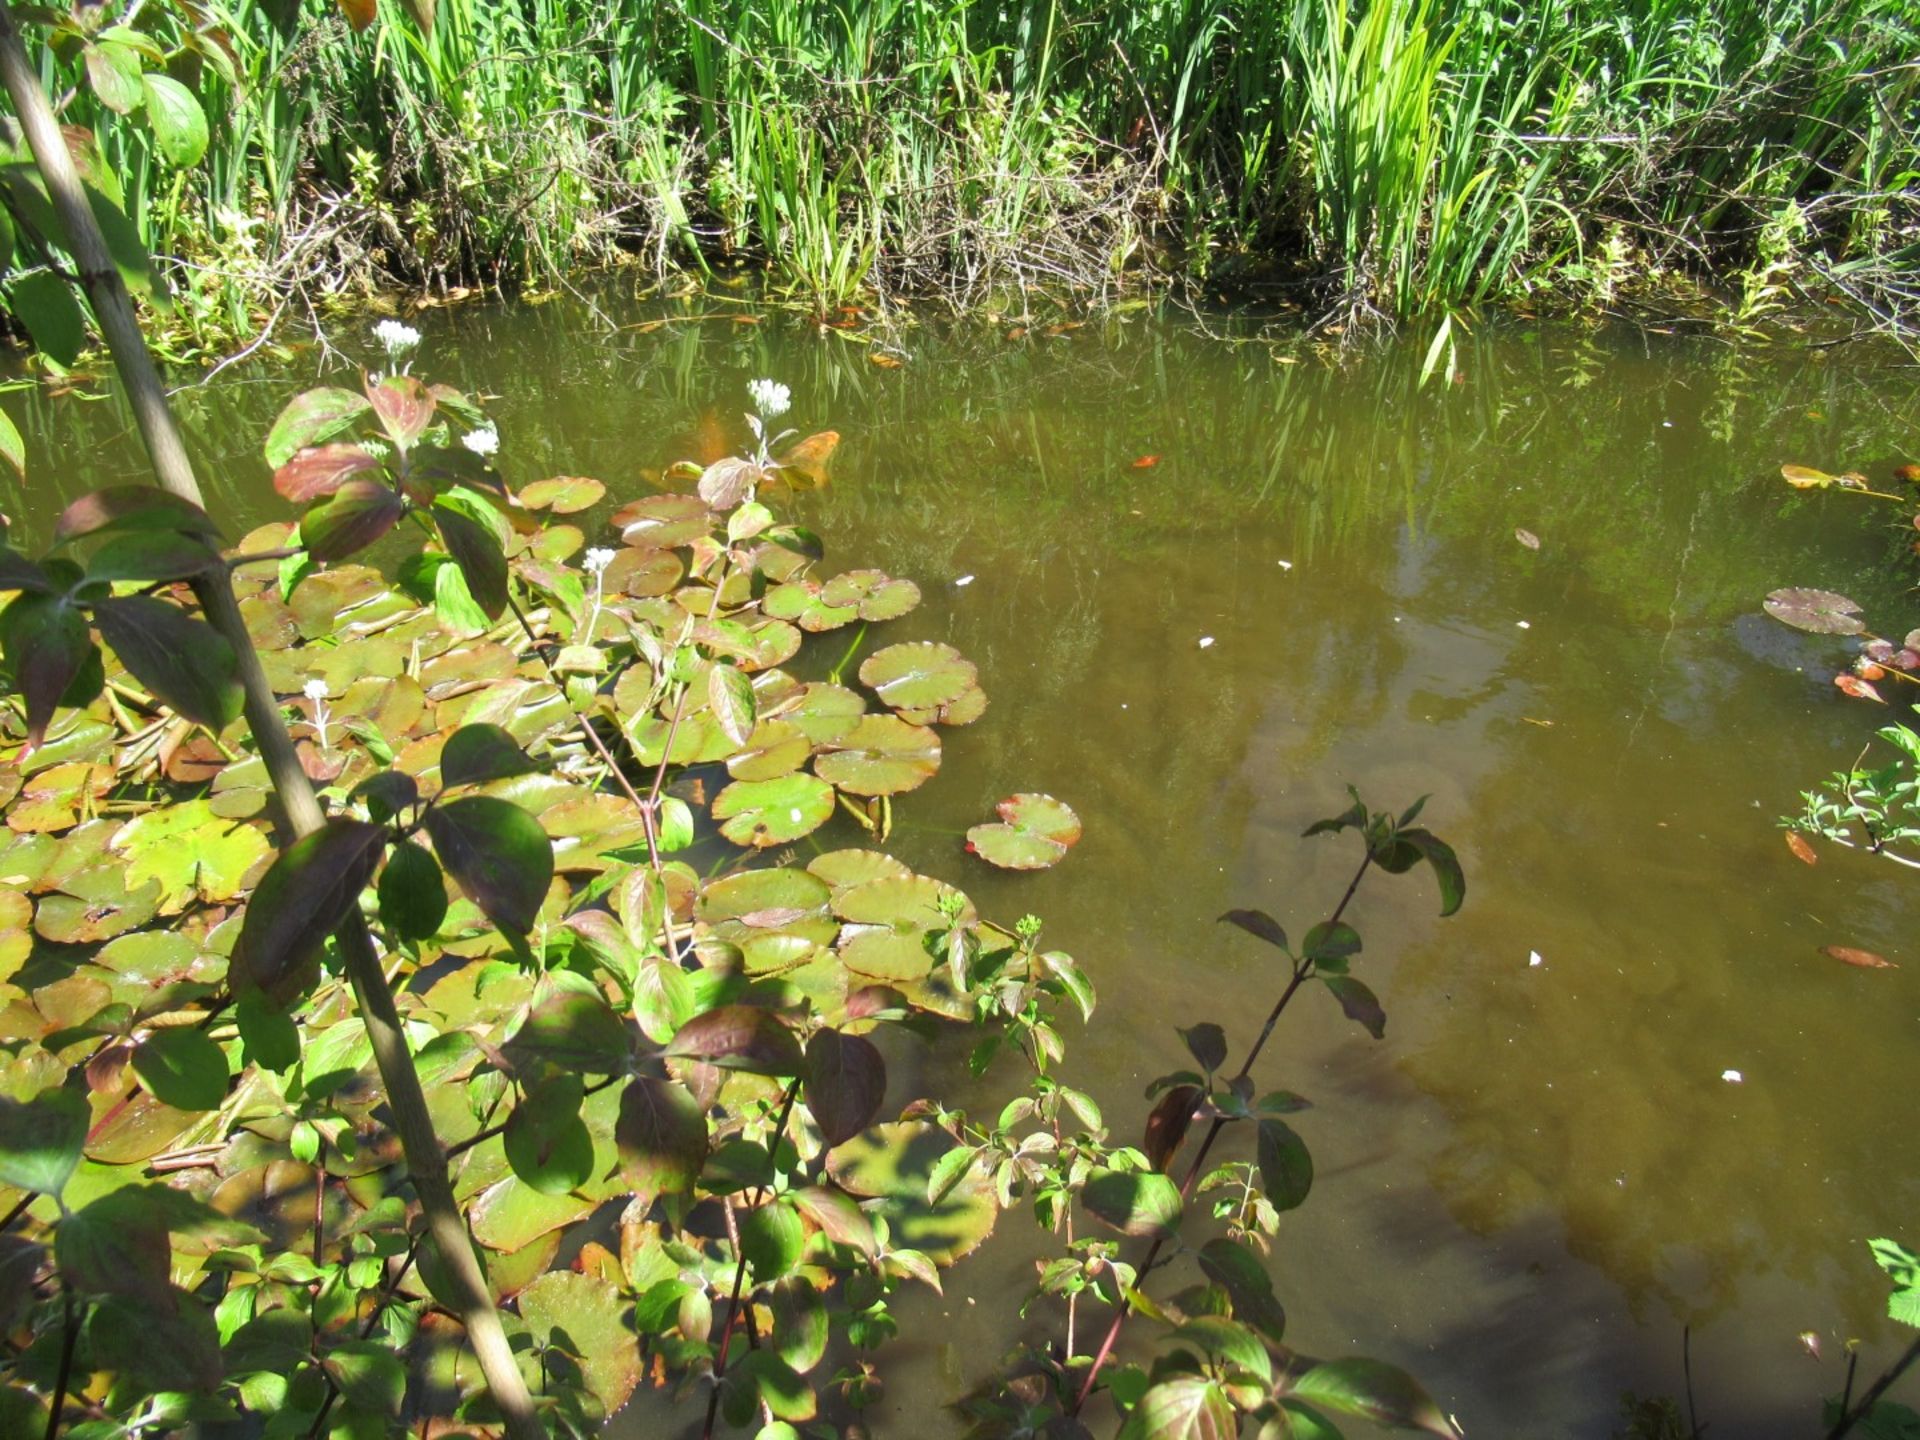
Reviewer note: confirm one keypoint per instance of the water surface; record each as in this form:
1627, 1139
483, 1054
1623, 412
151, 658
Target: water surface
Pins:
1539, 1178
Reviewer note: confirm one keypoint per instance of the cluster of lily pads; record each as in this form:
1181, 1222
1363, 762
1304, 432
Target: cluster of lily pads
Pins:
576, 800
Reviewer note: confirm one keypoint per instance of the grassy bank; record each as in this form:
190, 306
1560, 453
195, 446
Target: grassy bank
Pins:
1402, 156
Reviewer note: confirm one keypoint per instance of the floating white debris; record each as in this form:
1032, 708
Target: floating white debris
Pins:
1732, 1077
964, 580
1205, 641
1666, 424
1284, 564
1524, 624
1533, 960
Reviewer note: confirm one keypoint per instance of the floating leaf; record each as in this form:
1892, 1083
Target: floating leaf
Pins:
563, 494
1859, 689
1527, 538
880, 755
918, 675
1802, 851
1864, 959
1805, 477
1036, 831
773, 812
659, 522
1820, 612
192, 852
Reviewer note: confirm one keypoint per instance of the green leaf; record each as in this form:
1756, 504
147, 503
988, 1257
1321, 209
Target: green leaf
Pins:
547, 1143
1218, 1336
1359, 1003
404, 406
585, 1316
150, 556
1335, 940
270, 1038
1188, 1407
179, 124
1259, 924
661, 1137
12, 448
1237, 1270
730, 697
1286, 1167
182, 1068
130, 507
44, 647
113, 70
1133, 1202
763, 813
497, 854
572, 1030
477, 753
41, 1139
1444, 864
771, 1239
369, 1374
302, 899
117, 1245
1373, 1390
477, 552
412, 893
182, 660
44, 303
739, 1037
1207, 1043
786, 1394
129, 253
453, 602
311, 417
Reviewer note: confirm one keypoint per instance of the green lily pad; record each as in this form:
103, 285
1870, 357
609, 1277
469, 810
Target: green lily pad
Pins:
874, 593
800, 602
757, 902
95, 905
54, 799
822, 712
893, 1163
776, 748
192, 852
881, 755
773, 812
844, 868
563, 494
772, 642
878, 954
918, 676
585, 1316
901, 903
969, 707
643, 573
698, 739
1036, 832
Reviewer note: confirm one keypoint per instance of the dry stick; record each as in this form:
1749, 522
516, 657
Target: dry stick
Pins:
113, 309
1213, 1132
1874, 1391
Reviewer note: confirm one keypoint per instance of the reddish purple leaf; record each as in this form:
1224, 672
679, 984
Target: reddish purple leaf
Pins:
846, 1081
321, 470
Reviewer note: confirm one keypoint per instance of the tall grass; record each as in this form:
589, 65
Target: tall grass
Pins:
1400, 154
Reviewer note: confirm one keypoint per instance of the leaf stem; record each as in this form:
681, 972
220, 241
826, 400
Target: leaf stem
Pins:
71, 1332
1874, 1391
1301, 971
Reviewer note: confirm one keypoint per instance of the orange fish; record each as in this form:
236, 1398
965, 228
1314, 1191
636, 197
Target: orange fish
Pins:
1146, 462
710, 438
806, 460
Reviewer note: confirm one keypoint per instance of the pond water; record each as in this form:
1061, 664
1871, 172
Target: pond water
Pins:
1539, 1177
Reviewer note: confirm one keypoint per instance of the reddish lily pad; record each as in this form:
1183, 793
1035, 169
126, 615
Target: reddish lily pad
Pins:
659, 522
1035, 832
1820, 612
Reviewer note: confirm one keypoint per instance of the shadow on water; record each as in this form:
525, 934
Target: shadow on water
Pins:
1540, 1177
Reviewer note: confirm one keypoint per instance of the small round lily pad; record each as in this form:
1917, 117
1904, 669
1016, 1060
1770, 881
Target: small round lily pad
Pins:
761, 813
563, 494
1820, 612
969, 707
844, 868
823, 712
918, 675
881, 755
657, 522
776, 748
1035, 832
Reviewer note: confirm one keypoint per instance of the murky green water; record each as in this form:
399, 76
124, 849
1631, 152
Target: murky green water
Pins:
1540, 1176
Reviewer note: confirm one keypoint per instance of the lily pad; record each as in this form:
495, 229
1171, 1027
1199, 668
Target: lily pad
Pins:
800, 602
893, 1163
192, 852
918, 676
1820, 612
1035, 832
822, 712
844, 868
969, 707
773, 812
659, 522
584, 1316
776, 748
563, 494
761, 902
881, 755
874, 593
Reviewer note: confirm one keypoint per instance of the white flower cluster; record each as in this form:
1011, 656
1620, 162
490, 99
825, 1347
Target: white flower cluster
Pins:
597, 560
396, 339
315, 689
483, 442
770, 398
